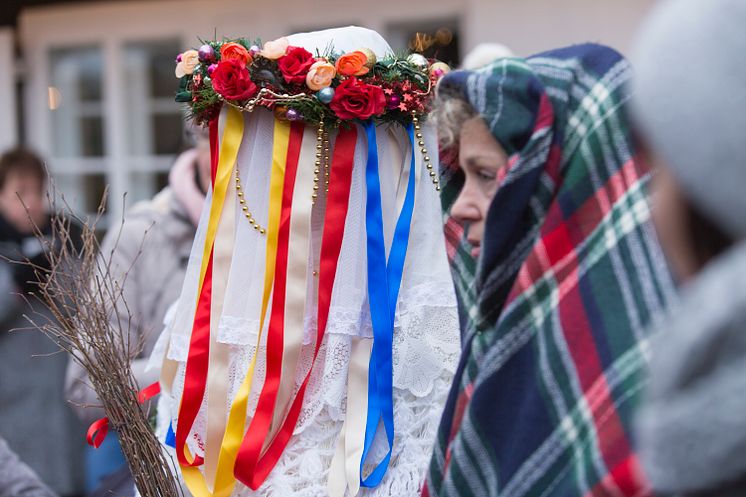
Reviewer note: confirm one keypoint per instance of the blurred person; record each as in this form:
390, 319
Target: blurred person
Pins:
485, 53
17, 479
149, 254
557, 270
692, 431
35, 419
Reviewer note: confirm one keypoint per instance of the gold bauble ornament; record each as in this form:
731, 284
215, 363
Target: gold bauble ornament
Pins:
372, 59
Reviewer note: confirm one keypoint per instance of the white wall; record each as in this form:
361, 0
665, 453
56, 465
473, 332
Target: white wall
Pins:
8, 131
527, 26
531, 26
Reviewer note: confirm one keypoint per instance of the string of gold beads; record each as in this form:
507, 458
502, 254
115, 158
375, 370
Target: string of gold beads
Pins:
245, 208
423, 151
317, 164
326, 160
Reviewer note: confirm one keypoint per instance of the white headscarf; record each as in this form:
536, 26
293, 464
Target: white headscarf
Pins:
426, 342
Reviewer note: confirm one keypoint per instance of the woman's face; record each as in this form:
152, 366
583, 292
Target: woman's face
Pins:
481, 157
23, 201
670, 220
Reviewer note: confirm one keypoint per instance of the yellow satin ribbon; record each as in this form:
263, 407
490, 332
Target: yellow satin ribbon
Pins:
224, 479
229, 145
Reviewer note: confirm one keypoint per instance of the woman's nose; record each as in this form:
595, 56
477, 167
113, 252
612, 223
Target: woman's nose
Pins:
466, 207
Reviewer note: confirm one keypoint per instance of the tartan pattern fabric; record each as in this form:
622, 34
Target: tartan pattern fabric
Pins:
555, 316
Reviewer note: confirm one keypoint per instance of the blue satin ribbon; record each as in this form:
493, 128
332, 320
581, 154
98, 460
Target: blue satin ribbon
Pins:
384, 282
171, 436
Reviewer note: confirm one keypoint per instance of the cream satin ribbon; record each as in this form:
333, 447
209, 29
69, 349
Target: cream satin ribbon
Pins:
297, 277
344, 472
217, 384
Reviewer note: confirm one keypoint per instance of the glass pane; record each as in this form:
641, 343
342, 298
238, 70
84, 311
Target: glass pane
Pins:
83, 192
154, 120
144, 185
75, 94
92, 130
170, 134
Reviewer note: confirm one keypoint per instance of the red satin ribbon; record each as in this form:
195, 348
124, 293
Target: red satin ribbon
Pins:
195, 380
250, 468
100, 428
97, 432
149, 392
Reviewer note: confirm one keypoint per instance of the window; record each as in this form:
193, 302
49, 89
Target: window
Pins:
75, 97
154, 120
84, 82
76, 104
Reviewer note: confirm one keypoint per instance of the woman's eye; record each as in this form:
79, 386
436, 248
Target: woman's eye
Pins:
486, 174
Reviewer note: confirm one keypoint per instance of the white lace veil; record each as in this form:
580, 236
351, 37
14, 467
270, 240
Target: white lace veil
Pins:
426, 341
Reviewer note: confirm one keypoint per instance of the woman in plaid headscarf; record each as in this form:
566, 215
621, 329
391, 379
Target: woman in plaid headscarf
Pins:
558, 273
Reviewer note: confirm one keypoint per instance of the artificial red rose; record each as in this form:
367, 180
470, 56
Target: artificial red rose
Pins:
354, 99
231, 79
295, 64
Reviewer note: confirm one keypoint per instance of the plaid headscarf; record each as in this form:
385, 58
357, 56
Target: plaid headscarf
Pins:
554, 319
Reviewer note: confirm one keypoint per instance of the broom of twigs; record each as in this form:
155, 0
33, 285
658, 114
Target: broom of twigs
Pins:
80, 293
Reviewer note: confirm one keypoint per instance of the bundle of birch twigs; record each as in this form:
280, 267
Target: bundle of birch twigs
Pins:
80, 294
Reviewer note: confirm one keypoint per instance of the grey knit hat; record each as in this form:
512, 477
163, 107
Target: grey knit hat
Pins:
690, 101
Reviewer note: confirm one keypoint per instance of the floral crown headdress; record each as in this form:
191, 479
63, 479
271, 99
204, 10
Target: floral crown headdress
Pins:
323, 89
300, 86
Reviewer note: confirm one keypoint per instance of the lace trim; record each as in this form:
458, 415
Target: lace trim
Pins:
426, 346
178, 347
343, 320
303, 469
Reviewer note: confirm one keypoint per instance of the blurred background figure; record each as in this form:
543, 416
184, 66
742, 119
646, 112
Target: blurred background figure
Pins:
17, 479
483, 54
149, 256
35, 419
692, 117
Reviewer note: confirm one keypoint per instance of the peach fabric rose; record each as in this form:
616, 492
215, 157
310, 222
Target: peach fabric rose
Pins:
320, 75
353, 64
235, 51
189, 61
275, 49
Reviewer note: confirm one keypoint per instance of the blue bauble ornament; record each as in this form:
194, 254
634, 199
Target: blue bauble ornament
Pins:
325, 95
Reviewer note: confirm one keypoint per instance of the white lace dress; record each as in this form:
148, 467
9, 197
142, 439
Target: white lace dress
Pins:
426, 338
